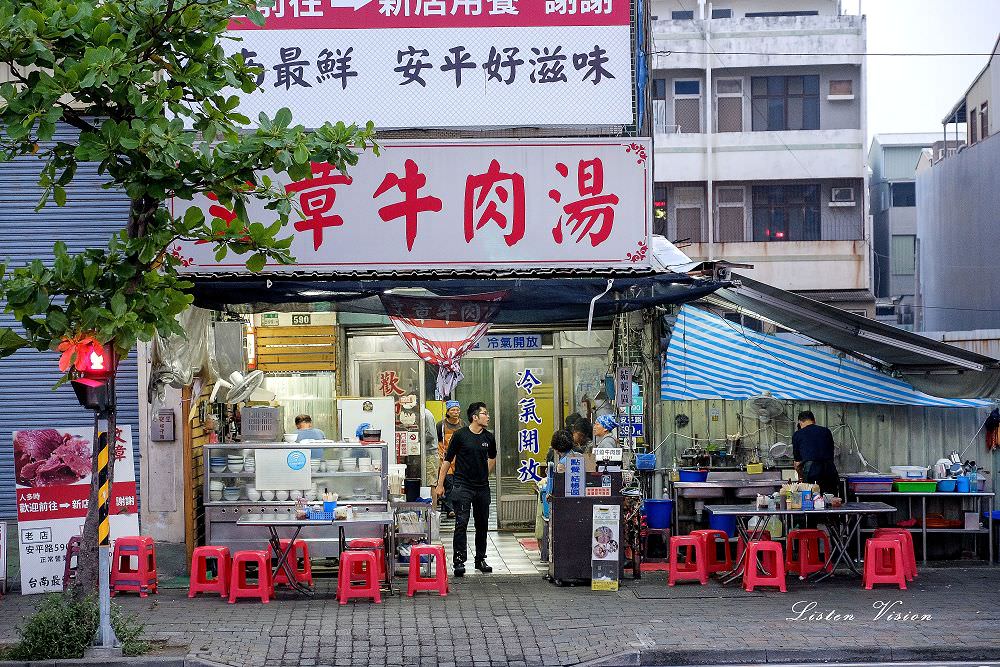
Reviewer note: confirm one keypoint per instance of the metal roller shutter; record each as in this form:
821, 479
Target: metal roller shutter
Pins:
90, 216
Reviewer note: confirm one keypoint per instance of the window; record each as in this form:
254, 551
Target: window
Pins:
903, 255
758, 15
729, 105
722, 13
786, 213
785, 102
687, 106
984, 120
841, 88
682, 16
660, 123
973, 130
904, 194
729, 214
689, 202
660, 209
745, 321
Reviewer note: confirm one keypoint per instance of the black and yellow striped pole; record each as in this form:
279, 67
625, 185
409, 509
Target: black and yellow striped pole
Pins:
106, 637
103, 493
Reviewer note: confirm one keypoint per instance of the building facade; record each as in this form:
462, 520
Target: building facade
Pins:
893, 160
957, 204
759, 145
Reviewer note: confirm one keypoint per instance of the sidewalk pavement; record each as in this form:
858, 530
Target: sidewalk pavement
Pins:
947, 613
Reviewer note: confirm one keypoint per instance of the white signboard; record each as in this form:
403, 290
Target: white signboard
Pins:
52, 469
442, 63
623, 387
282, 469
575, 484
3, 556
469, 204
606, 538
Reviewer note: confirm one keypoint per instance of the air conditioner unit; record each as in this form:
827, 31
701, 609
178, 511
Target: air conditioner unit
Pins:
842, 197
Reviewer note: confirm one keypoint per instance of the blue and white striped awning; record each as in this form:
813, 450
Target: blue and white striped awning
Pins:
710, 357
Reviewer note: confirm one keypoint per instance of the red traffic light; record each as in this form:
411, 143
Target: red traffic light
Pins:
86, 356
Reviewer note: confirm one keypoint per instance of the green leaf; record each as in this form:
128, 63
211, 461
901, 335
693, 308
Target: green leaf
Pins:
283, 118
59, 193
256, 263
10, 342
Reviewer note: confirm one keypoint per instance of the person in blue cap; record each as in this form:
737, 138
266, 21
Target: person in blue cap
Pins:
603, 427
446, 428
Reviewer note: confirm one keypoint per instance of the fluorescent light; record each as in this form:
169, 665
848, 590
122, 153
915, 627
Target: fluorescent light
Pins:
933, 354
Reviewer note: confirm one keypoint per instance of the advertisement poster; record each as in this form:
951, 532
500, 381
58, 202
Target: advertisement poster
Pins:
279, 469
441, 63
604, 547
492, 204
52, 469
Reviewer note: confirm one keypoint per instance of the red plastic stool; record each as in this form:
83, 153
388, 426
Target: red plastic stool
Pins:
807, 559
439, 582
884, 562
200, 582
712, 539
69, 567
770, 572
369, 587
741, 547
686, 568
239, 587
141, 578
300, 553
909, 557
374, 544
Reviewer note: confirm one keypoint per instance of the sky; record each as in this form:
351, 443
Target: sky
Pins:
913, 94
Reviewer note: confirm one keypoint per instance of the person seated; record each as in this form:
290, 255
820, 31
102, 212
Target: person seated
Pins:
306, 431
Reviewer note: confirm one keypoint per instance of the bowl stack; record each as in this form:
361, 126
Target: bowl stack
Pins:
315, 464
235, 462
215, 488
217, 463
232, 493
249, 464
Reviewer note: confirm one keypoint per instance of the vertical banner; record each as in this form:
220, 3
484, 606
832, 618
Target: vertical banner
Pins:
3, 556
605, 544
535, 423
52, 469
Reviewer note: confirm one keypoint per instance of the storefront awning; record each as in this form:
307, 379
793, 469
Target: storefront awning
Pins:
928, 365
710, 357
529, 300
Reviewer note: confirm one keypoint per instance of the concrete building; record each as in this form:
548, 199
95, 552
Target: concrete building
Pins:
893, 159
957, 203
766, 165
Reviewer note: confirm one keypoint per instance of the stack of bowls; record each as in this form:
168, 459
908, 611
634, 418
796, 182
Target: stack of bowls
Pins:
349, 464
215, 488
364, 464
250, 464
217, 463
315, 465
232, 493
252, 493
235, 462
267, 495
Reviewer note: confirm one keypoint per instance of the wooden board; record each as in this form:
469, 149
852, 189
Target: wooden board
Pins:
299, 348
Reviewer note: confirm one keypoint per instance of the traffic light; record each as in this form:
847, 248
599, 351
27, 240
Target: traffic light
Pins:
96, 368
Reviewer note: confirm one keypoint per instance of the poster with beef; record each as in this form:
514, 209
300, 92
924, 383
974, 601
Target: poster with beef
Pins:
52, 469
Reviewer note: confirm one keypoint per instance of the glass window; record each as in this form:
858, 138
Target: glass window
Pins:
903, 257
842, 87
904, 194
785, 103
722, 13
786, 213
687, 87
682, 15
660, 209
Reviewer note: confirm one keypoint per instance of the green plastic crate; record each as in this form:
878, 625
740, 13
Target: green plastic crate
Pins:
915, 486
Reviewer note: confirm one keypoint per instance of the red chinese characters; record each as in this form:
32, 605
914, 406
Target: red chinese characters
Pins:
593, 214
489, 185
388, 382
317, 196
412, 205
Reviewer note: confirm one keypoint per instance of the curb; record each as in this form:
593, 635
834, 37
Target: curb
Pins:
139, 661
778, 656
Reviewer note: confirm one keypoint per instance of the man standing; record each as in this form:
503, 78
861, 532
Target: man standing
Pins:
304, 424
446, 428
812, 452
473, 449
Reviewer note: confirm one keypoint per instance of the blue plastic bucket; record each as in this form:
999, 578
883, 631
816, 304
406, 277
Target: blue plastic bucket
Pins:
723, 523
658, 512
692, 475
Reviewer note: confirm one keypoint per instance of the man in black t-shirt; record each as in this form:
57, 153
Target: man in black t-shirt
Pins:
812, 452
474, 452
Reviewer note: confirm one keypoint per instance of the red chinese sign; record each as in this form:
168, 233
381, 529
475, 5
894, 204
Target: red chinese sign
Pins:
461, 204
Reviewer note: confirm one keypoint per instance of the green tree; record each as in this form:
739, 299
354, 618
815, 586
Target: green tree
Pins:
149, 88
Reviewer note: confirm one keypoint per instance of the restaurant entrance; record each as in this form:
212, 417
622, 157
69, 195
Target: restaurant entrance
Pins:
529, 390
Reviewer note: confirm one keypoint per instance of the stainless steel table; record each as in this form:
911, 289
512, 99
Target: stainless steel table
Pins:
843, 524
276, 522
983, 503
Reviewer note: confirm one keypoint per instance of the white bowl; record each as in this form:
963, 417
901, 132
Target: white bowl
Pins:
291, 437
364, 461
295, 494
311, 494
217, 468
216, 485
281, 495
253, 495
267, 495
215, 496
235, 467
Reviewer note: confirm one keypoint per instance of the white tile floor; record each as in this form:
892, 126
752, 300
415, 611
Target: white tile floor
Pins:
503, 552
